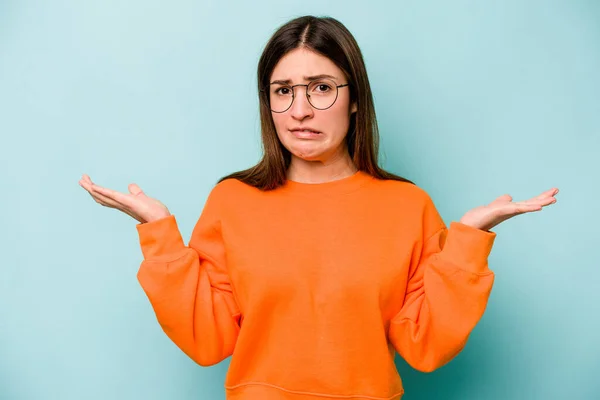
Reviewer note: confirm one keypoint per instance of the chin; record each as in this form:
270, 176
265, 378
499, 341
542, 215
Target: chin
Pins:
307, 154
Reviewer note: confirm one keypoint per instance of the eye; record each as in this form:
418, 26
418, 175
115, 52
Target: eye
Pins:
283, 91
321, 87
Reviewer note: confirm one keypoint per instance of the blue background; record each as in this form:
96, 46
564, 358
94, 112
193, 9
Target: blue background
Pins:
474, 99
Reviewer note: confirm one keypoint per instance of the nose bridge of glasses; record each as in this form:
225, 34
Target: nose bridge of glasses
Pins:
300, 84
295, 102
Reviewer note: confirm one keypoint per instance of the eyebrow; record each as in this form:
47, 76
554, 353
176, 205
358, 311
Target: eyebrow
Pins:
306, 78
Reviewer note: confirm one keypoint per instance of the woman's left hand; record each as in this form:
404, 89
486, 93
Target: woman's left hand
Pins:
503, 208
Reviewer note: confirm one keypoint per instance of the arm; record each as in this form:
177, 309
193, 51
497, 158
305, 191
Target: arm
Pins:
447, 292
188, 287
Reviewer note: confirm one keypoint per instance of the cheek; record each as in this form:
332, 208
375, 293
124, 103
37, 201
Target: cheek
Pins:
279, 122
277, 119
338, 119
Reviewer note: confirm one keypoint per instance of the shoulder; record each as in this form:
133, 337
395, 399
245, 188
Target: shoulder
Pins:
409, 200
233, 187
407, 204
403, 191
231, 190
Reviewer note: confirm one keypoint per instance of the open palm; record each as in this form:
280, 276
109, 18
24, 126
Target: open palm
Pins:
503, 208
135, 203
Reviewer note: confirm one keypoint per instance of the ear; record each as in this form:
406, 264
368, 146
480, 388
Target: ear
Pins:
353, 108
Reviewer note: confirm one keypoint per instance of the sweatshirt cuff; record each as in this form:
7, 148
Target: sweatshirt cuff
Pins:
468, 248
160, 238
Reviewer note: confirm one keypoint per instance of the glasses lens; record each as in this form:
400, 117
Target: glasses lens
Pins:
280, 97
322, 93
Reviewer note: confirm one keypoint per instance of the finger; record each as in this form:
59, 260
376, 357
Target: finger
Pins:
548, 193
505, 198
98, 193
135, 189
85, 184
90, 189
105, 201
543, 201
537, 205
521, 208
547, 201
112, 204
113, 195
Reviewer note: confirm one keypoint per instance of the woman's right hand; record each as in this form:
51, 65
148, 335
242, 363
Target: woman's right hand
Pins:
136, 204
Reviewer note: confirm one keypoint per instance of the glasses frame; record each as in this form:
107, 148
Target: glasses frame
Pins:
337, 92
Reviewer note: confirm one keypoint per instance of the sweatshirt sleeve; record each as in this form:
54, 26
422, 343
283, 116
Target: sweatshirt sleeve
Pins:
449, 284
188, 286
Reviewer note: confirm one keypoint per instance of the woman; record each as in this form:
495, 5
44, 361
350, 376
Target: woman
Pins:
312, 268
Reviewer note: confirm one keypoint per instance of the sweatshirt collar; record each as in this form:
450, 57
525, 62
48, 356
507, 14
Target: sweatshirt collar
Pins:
344, 185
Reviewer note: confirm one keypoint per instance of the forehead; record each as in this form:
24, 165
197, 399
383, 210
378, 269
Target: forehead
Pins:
302, 62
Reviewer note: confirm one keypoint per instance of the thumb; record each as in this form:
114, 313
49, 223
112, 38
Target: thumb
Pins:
135, 189
503, 199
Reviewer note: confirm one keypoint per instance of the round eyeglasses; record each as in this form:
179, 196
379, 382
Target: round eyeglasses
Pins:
321, 94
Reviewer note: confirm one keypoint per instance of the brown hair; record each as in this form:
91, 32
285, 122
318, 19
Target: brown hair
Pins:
330, 38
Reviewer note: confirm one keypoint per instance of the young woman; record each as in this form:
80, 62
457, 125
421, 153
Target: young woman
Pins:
313, 267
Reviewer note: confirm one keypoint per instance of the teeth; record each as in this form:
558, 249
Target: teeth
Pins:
307, 131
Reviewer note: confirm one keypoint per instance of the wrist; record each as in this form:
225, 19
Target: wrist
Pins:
158, 217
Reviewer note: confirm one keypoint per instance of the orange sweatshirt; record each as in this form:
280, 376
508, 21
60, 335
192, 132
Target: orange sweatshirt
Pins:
311, 288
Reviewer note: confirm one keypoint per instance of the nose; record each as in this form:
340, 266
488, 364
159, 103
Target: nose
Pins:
301, 108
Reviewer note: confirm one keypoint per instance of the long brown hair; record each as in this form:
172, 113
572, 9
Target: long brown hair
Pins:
330, 38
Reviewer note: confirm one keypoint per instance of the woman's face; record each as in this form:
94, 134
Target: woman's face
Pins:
331, 124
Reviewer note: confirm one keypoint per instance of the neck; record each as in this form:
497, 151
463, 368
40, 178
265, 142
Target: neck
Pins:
305, 171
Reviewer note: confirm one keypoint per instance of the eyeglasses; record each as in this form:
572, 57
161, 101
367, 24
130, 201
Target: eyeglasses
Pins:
321, 94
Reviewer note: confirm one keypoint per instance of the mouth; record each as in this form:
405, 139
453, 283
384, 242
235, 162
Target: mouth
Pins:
305, 133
